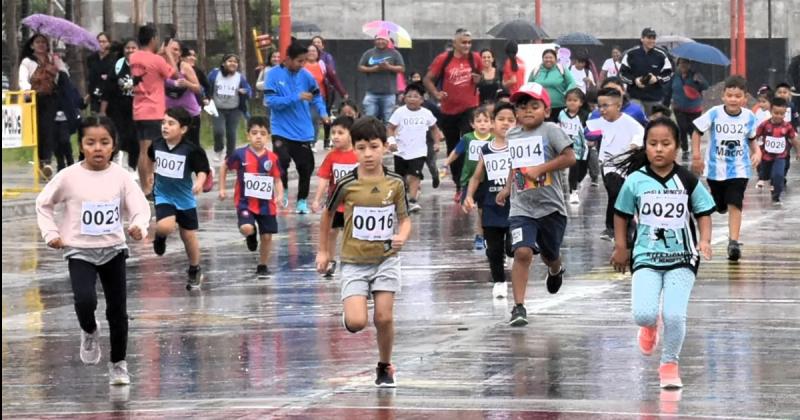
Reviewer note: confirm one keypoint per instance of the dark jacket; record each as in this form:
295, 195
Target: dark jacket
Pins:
69, 101
637, 63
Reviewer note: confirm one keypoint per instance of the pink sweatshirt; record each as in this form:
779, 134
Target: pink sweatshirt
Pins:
95, 203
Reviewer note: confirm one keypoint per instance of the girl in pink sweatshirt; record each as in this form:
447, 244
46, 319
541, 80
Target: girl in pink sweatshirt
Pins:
97, 194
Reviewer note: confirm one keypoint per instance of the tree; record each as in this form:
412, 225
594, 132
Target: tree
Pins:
237, 31
11, 21
108, 18
201, 33
175, 18
155, 13
138, 19
75, 57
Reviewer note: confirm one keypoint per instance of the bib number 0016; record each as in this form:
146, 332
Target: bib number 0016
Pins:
373, 223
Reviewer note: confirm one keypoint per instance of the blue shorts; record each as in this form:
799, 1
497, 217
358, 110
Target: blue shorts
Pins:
266, 224
543, 236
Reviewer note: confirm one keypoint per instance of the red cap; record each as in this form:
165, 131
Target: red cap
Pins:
533, 90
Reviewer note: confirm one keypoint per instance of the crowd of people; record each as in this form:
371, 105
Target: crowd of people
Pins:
518, 151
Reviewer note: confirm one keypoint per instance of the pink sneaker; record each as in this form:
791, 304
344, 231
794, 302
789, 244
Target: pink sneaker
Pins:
648, 339
209, 184
670, 378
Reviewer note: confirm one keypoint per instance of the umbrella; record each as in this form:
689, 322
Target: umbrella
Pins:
394, 30
62, 30
672, 41
300, 26
702, 53
577, 38
517, 29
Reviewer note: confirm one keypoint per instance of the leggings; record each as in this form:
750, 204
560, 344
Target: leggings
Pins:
303, 157
498, 245
225, 126
576, 173
453, 127
83, 276
594, 165
676, 285
613, 182
63, 147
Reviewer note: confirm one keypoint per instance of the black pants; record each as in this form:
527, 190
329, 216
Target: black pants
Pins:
303, 157
685, 126
46, 109
193, 135
576, 173
63, 149
112, 276
613, 183
453, 127
498, 245
430, 160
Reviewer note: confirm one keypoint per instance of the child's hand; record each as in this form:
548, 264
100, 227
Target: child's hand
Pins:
197, 188
705, 250
222, 195
398, 242
534, 172
620, 259
436, 147
468, 204
322, 262
56, 243
755, 159
135, 232
500, 199
698, 165
315, 206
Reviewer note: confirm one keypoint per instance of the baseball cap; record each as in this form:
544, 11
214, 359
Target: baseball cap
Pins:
532, 90
648, 32
383, 34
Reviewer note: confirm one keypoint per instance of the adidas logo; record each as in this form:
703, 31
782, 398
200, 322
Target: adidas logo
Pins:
375, 190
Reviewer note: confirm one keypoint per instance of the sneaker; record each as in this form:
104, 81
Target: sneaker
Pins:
457, 196
595, 183
252, 242
648, 339
777, 202
519, 316
607, 235
760, 185
436, 182
208, 185
669, 375
314, 147
554, 280
302, 207
90, 346
195, 277
160, 245
285, 199
771, 188
47, 171
734, 250
385, 376
262, 271
218, 157
414, 207
118, 373
480, 243
499, 290
574, 198
331, 269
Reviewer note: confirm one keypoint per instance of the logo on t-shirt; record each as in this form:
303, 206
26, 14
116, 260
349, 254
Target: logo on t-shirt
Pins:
375, 61
267, 165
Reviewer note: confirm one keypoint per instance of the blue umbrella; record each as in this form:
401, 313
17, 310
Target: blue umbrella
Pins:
577, 38
702, 53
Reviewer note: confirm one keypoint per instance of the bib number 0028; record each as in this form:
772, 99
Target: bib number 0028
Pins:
258, 186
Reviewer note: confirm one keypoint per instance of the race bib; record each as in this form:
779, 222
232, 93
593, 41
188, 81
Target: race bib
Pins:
571, 128
373, 223
774, 144
226, 89
341, 170
475, 150
100, 218
497, 165
665, 211
170, 165
528, 151
258, 186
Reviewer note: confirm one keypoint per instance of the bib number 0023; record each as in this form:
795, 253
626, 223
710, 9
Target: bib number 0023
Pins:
100, 218
373, 223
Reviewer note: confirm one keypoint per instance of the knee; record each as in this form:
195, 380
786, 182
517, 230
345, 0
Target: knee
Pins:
523, 255
673, 319
247, 230
383, 319
645, 317
164, 228
355, 324
117, 315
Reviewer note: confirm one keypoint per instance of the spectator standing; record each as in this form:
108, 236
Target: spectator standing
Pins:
491, 78
117, 103
556, 79
687, 100
99, 66
513, 69
611, 65
230, 92
381, 64
646, 70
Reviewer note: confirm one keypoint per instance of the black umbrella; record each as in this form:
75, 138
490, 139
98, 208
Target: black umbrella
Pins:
577, 38
300, 26
517, 29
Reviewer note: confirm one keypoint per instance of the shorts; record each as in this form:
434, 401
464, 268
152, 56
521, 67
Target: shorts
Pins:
543, 236
412, 167
148, 129
364, 279
186, 219
266, 224
728, 192
338, 220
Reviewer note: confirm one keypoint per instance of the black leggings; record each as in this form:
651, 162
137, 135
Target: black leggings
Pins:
83, 276
613, 183
498, 244
453, 127
685, 122
303, 157
576, 173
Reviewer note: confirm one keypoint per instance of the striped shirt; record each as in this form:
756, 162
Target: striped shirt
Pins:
728, 153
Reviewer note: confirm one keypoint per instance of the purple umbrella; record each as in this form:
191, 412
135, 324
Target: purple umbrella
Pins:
61, 29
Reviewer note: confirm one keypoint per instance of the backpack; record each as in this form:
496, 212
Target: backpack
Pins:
447, 60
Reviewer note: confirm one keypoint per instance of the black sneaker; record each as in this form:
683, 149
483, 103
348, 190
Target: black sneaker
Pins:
150, 197
331, 269
262, 271
252, 242
607, 235
734, 250
385, 376
195, 277
436, 182
519, 316
554, 280
160, 245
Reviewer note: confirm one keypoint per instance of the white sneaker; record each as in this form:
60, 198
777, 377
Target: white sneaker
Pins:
500, 290
314, 147
218, 157
118, 373
90, 347
760, 185
414, 207
574, 198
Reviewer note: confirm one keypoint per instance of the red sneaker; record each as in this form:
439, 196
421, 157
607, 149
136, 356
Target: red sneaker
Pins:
670, 378
209, 184
648, 339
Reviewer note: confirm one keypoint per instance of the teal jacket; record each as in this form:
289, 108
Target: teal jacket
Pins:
557, 81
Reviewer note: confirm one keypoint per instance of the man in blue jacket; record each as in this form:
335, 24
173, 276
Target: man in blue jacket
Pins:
289, 92
646, 70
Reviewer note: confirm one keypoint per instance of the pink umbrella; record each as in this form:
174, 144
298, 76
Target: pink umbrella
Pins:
61, 30
394, 30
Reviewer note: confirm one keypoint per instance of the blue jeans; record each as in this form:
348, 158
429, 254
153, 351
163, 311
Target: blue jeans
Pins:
379, 106
774, 170
225, 126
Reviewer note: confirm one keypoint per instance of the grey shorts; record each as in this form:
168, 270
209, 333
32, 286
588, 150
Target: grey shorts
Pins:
365, 279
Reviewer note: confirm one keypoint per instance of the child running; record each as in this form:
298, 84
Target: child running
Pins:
490, 177
472, 143
730, 157
374, 203
776, 137
256, 190
572, 120
175, 161
538, 216
663, 196
340, 162
92, 236
410, 123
